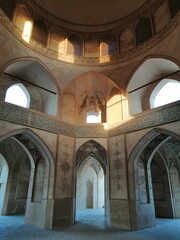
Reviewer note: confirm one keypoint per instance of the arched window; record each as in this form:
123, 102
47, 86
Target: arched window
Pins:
108, 45
174, 6
165, 92
143, 30
74, 45
40, 31
27, 31
23, 21
8, 7
92, 117
18, 95
4, 171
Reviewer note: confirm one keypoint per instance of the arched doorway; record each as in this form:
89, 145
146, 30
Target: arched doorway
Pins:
90, 185
4, 171
155, 185
29, 182
91, 179
161, 185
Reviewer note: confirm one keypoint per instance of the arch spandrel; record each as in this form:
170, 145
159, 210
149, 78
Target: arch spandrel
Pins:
93, 149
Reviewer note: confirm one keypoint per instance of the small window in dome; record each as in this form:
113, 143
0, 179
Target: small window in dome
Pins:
18, 95
167, 91
174, 6
27, 31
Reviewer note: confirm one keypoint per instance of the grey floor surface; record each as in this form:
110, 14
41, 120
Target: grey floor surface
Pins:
90, 225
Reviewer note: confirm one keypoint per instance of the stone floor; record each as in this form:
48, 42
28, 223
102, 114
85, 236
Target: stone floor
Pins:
90, 225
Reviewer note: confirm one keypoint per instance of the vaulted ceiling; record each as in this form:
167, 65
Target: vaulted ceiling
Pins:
90, 12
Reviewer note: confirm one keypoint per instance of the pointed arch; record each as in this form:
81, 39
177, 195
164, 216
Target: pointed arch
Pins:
37, 149
166, 91
93, 149
153, 68
74, 46
143, 30
39, 81
109, 44
18, 95
91, 157
16, 65
144, 152
145, 77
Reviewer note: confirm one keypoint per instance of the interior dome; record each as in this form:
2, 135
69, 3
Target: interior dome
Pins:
90, 12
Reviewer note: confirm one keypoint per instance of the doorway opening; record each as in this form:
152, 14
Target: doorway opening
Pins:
161, 190
4, 171
165, 176
91, 183
15, 169
24, 179
156, 178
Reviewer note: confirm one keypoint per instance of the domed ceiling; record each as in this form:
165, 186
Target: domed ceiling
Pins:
90, 12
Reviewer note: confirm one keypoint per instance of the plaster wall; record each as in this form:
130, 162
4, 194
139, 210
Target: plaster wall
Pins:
64, 183
136, 99
119, 213
69, 108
